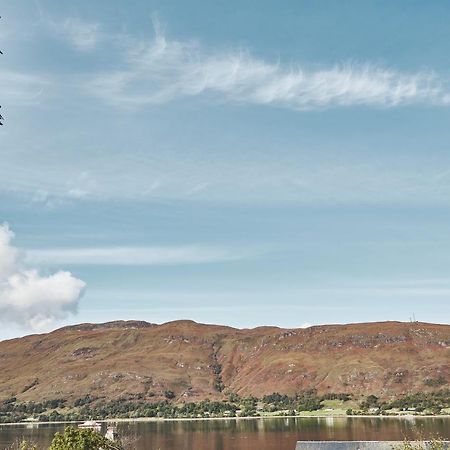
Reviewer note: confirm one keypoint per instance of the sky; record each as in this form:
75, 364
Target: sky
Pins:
236, 162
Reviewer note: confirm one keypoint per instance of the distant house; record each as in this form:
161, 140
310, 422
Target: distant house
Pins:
91, 425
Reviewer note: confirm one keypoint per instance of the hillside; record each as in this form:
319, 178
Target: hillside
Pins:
141, 360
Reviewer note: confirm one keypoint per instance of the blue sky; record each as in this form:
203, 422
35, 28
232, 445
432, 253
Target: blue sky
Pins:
245, 163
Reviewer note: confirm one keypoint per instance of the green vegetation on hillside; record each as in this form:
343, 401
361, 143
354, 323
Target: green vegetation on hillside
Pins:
428, 403
304, 403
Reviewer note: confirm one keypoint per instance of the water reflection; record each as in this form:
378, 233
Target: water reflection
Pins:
248, 434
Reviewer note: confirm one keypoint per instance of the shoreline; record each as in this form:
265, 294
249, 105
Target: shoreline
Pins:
197, 419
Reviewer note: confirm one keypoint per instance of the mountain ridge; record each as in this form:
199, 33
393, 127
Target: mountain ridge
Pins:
138, 359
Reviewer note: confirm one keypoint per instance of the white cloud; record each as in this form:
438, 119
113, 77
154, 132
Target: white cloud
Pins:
83, 36
28, 298
144, 256
8, 254
163, 70
20, 88
250, 177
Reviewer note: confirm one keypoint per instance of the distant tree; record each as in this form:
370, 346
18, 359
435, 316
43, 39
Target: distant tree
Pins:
169, 394
233, 397
309, 404
308, 401
372, 401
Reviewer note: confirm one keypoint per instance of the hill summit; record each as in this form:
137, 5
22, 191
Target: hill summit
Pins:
136, 359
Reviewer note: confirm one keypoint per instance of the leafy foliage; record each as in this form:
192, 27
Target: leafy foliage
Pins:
434, 402
89, 407
435, 443
81, 439
372, 401
169, 394
22, 445
308, 401
435, 382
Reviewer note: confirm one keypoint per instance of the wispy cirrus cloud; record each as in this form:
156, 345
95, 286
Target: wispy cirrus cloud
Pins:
138, 256
159, 70
163, 70
20, 88
309, 181
83, 36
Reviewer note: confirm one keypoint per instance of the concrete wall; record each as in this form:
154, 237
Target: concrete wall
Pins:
355, 445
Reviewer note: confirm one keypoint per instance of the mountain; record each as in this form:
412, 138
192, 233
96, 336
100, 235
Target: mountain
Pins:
131, 359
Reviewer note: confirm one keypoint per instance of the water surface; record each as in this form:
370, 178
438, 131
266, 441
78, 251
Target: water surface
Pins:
248, 434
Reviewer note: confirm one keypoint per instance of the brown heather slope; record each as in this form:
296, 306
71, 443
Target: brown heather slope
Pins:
131, 359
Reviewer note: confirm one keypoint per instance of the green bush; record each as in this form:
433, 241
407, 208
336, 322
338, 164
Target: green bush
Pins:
22, 445
169, 394
81, 439
435, 443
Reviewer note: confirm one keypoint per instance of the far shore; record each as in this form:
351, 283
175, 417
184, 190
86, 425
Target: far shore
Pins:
197, 419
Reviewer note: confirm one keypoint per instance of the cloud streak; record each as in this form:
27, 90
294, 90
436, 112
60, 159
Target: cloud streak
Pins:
28, 298
163, 70
83, 36
137, 256
22, 89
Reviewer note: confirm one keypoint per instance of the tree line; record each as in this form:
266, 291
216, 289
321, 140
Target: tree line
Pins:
90, 407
